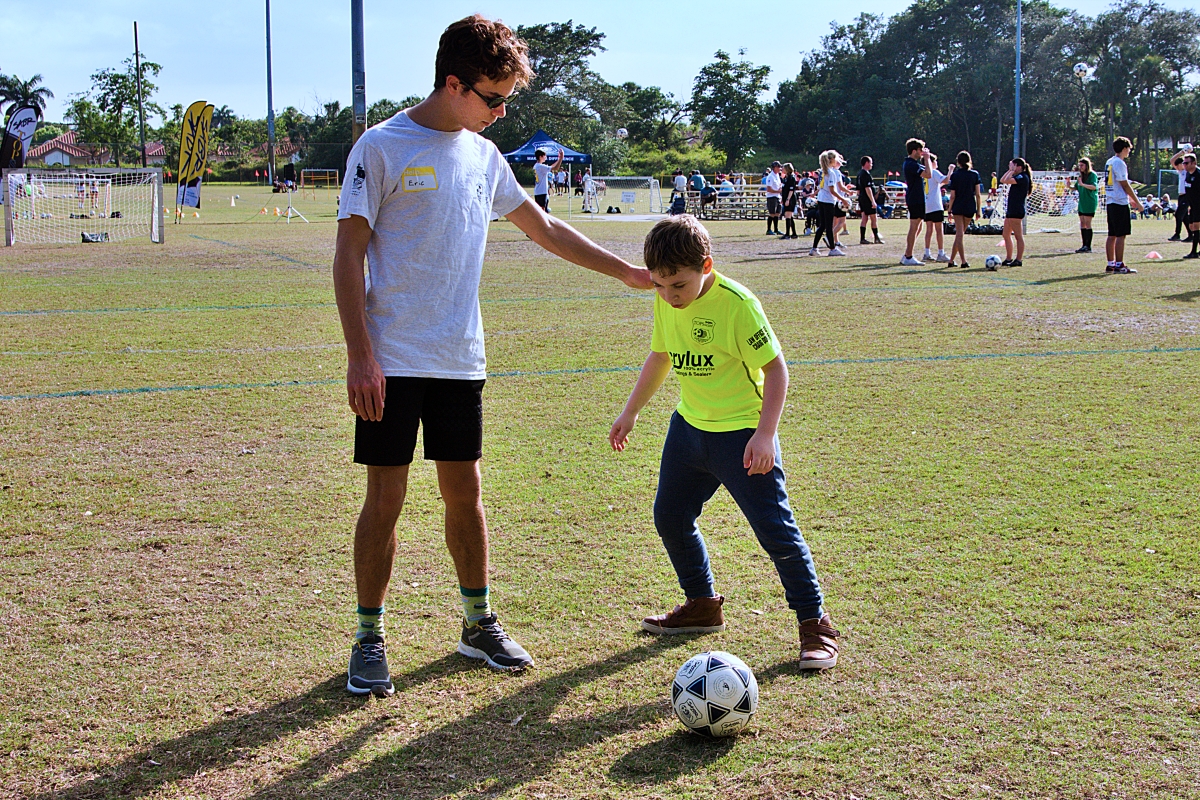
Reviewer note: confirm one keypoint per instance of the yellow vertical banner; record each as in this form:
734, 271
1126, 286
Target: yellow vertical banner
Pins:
193, 154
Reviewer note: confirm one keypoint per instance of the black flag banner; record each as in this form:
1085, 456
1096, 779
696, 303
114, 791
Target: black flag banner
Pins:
17, 136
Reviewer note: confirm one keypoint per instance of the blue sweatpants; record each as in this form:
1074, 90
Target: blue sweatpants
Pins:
694, 464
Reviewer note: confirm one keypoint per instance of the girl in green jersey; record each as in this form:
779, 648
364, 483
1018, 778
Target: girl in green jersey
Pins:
1089, 191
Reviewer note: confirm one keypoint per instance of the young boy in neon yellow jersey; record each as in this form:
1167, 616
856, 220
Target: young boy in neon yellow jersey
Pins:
733, 382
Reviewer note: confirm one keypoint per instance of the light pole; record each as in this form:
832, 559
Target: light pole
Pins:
137, 66
1017, 93
358, 68
270, 107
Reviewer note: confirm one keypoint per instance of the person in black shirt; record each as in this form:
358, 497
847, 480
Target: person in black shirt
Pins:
866, 202
965, 203
1017, 180
914, 196
790, 197
1192, 193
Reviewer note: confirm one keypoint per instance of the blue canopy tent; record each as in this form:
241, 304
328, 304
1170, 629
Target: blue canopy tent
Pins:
525, 154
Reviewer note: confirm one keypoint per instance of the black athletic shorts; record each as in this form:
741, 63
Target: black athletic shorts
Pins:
935, 216
542, 201
866, 205
774, 204
838, 211
450, 411
1118, 219
1191, 213
1015, 213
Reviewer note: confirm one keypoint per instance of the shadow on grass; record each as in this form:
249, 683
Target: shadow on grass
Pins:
501, 746
1082, 277
223, 743
1182, 297
668, 758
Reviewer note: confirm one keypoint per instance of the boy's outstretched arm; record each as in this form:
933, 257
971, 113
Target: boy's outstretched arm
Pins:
759, 458
654, 372
567, 243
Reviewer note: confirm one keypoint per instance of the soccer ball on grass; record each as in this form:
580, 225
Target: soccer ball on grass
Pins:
714, 694
991, 262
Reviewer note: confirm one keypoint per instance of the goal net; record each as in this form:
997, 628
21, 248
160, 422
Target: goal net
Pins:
1051, 194
324, 178
607, 193
51, 206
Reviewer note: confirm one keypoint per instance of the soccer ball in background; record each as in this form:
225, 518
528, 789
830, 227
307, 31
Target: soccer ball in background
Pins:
622, 133
1081, 70
991, 262
714, 694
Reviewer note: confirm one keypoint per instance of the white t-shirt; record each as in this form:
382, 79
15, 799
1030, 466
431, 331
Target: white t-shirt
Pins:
1115, 171
832, 177
681, 183
773, 183
428, 196
933, 190
1182, 181
542, 171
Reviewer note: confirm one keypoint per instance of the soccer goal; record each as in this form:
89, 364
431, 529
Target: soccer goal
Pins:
51, 206
1051, 193
318, 178
608, 193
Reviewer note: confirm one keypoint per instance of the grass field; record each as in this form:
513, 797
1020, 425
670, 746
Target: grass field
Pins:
997, 473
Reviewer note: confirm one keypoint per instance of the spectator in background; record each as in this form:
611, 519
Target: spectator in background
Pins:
542, 172
789, 196
679, 184
867, 207
773, 184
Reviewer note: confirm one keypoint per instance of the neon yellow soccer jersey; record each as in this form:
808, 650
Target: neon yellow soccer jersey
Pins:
718, 347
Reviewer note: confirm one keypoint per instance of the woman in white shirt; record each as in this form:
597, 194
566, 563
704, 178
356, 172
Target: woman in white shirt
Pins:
828, 197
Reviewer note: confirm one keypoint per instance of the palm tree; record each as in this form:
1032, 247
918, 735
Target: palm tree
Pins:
19, 92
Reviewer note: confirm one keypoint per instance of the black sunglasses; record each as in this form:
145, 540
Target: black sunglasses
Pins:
493, 102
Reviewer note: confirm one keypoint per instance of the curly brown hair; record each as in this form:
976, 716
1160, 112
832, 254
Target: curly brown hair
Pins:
476, 47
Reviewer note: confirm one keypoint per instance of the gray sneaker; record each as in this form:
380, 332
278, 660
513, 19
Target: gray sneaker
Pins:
368, 673
488, 642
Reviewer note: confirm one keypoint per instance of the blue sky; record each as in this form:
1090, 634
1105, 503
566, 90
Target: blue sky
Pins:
214, 49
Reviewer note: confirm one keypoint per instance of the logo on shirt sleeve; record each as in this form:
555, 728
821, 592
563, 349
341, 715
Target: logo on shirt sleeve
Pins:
760, 337
419, 179
702, 330
360, 177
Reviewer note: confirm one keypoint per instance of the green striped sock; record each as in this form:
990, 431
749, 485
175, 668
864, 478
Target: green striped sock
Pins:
370, 622
476, 604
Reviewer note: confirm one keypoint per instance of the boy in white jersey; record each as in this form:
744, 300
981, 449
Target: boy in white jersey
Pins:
420, 192
542, 172
1119, 196
733, 383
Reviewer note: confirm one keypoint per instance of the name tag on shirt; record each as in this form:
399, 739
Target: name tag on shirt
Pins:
419, 179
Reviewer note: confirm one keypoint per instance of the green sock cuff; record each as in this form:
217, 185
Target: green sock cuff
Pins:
370, 612
465, 592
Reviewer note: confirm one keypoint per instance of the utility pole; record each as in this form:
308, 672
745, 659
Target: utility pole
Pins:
1017, 110
270, 107
358, 68
137, 61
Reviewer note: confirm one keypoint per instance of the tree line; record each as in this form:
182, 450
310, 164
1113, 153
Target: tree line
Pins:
942, 70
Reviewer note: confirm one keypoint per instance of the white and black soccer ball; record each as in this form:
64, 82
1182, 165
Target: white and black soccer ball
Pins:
714, 694
622, 133
1081, 70
991, 262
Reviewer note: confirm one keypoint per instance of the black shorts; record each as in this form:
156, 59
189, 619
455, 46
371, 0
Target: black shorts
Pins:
866, 206
1118, 219
773, 206
969, 213
1086, 216
1191, 213
1015, 213
935, 216
838, 211
542, 201
450, 411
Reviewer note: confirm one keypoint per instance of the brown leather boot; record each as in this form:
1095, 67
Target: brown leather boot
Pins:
697, 615
818, 643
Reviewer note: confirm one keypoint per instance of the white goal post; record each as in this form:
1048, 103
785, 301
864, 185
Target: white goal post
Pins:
600, 195
1051, 193
61, 206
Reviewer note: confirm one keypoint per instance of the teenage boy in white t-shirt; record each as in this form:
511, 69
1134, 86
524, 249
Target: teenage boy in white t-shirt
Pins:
542, 172
420, 194
773, 186
935, 212
1119, 197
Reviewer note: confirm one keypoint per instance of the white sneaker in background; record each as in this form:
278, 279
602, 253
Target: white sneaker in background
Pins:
837, 251
942, 257
909, 261
927, 257
813, 252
